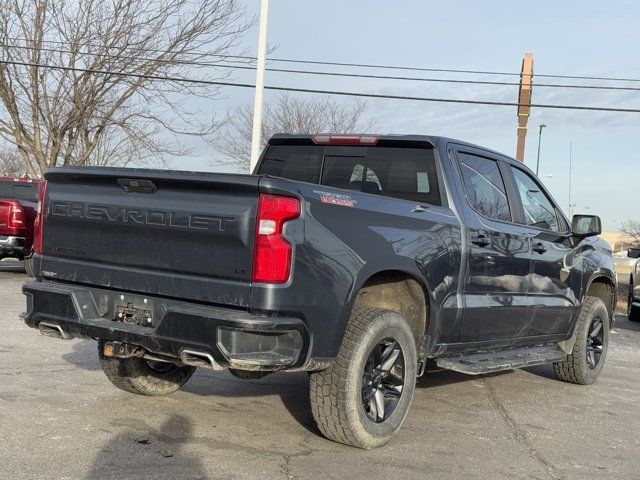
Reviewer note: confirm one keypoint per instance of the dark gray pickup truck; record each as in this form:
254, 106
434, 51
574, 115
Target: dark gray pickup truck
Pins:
360, 259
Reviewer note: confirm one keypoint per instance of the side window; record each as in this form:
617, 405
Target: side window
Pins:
539, 211
484, 186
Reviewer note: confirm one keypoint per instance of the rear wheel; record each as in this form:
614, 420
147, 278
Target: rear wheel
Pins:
144, 377
364, 397
633, 312
590, 349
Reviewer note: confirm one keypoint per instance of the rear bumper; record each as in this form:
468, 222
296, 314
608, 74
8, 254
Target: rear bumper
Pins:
11, 244
232, 338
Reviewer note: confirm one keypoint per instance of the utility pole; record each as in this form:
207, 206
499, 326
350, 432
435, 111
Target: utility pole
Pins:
524, 103
570, 162
542, 125
257, 104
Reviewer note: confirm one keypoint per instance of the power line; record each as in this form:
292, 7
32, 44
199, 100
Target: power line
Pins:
449, 80
360, 65
324, 73
319, 91
449, 70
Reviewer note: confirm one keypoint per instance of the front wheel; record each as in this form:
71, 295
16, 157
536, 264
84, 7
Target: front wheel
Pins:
144, 377
363, 398
590, 349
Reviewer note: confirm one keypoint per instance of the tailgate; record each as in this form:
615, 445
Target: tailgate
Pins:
177, 234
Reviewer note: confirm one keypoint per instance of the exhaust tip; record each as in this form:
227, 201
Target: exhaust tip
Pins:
194, 358
53, 330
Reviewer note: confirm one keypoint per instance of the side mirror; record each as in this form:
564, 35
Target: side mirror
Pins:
633, 253
586, 225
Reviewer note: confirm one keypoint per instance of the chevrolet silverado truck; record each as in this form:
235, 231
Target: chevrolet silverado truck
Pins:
18, 203
360, 259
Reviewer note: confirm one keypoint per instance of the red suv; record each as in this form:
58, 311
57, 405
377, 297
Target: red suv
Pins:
18, 209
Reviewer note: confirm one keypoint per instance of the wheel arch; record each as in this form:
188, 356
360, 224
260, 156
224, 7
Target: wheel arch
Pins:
603, 286
396, 285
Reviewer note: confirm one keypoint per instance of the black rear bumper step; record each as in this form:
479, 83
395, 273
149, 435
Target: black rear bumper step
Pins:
495, 361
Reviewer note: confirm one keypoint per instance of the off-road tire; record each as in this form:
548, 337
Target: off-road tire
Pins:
135, 375
28, 266
633, 312
336, 393
575, 368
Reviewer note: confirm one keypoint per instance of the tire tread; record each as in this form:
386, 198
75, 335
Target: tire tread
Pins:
328, 388
571, 370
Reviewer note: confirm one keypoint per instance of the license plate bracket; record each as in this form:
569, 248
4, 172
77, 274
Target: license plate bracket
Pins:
134, 311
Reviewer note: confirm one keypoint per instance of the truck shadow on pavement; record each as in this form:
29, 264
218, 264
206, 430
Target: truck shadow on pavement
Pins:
134, 454
84, 354
292, 388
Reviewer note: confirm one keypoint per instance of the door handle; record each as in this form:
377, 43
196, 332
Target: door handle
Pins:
539, 247
480, 239
419, 208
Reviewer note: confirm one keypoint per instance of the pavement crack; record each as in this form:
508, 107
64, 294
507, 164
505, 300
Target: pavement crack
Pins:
519, 432
286, 466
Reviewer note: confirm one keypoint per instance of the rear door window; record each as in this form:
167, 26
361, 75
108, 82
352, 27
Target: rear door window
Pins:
484, 186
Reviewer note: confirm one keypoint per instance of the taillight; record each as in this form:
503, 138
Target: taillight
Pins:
272, 252
37, 224
16, 216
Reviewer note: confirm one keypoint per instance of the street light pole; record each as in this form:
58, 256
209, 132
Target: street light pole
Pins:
542, 125
570, 162
257, 104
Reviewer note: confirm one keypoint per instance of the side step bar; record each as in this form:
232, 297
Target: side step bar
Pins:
497, 360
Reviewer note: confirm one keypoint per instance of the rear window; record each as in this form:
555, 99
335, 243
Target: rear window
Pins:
19, 191
295, 163
5, 190
405, 173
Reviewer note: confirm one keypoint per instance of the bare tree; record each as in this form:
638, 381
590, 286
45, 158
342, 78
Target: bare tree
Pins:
287, 114
631, 229
95, 111
11, 164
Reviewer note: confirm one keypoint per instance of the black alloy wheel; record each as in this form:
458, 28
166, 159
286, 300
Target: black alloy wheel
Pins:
595, 343
383, 380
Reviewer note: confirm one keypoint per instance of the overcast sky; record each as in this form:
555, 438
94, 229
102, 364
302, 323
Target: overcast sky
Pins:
570, 37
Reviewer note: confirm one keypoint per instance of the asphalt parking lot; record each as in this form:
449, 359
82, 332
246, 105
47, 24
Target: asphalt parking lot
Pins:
61, 418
